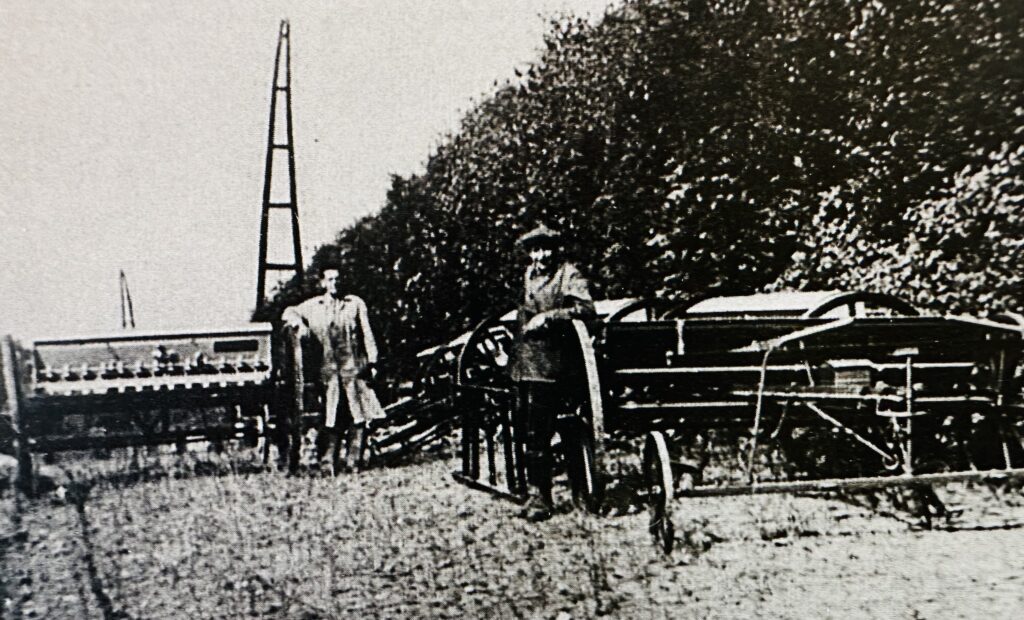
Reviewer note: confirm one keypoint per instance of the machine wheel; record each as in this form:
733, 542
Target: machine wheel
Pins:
485, 355
582, 469
484, 396
658, 482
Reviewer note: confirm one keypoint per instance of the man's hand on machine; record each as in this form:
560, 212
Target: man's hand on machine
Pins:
369, 372
538, 323
297, 325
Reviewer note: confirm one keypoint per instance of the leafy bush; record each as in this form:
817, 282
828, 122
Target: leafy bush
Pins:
690, 147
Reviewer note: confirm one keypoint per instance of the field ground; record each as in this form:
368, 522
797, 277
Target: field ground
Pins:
204, 536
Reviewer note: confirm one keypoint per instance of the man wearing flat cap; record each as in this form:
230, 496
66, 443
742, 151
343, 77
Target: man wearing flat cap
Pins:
554, 293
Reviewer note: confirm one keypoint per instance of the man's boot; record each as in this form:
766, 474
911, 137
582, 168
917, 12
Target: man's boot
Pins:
335, 451
540, 506
311, 443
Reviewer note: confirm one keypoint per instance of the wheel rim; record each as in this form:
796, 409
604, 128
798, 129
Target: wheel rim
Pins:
658, 478
587, 475
591, 414
578, 452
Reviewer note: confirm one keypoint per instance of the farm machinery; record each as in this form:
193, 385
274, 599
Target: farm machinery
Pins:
137, 389
769, 393
248, 384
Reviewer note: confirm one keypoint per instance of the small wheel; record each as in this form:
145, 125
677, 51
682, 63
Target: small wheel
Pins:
485, 355
659, 484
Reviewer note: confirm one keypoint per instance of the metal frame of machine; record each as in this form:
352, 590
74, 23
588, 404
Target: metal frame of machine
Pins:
119, 390
771, 393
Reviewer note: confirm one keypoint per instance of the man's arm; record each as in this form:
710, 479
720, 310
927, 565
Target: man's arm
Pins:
575, 308
294, 319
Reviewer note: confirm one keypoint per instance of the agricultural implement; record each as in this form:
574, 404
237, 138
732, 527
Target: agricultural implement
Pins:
771, 393
131, 389
137, 389
424, 408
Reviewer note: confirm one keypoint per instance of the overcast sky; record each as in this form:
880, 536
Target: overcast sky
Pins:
134, 135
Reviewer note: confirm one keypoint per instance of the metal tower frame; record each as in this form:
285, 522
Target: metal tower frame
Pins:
277, 90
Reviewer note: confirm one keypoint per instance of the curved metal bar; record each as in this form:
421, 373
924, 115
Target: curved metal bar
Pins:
1010, 318
759, 403
652, 305
844, 299
679, 308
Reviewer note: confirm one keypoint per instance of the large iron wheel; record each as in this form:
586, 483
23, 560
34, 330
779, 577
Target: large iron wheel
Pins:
578, 450
589, 443
658, 483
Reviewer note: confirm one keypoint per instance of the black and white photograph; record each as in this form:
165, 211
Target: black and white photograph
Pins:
525, 309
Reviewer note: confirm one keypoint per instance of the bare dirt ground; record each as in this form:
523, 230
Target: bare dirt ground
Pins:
206, 536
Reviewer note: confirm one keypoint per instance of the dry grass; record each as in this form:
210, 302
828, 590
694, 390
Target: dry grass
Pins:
204, 536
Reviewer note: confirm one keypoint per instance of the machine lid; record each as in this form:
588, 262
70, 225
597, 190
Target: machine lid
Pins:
781, 304
248, 329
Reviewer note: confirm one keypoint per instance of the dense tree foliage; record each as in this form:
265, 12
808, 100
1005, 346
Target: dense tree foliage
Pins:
695, 147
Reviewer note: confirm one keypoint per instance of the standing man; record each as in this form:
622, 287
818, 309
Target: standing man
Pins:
341, 326
554, 293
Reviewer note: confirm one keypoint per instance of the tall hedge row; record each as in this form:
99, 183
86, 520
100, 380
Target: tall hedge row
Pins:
694, 147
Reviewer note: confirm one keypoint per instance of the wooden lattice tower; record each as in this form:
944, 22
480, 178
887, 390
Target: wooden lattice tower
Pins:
275, 173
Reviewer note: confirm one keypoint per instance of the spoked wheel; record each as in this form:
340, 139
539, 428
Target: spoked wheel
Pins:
485, 355
658, 482
485, 398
